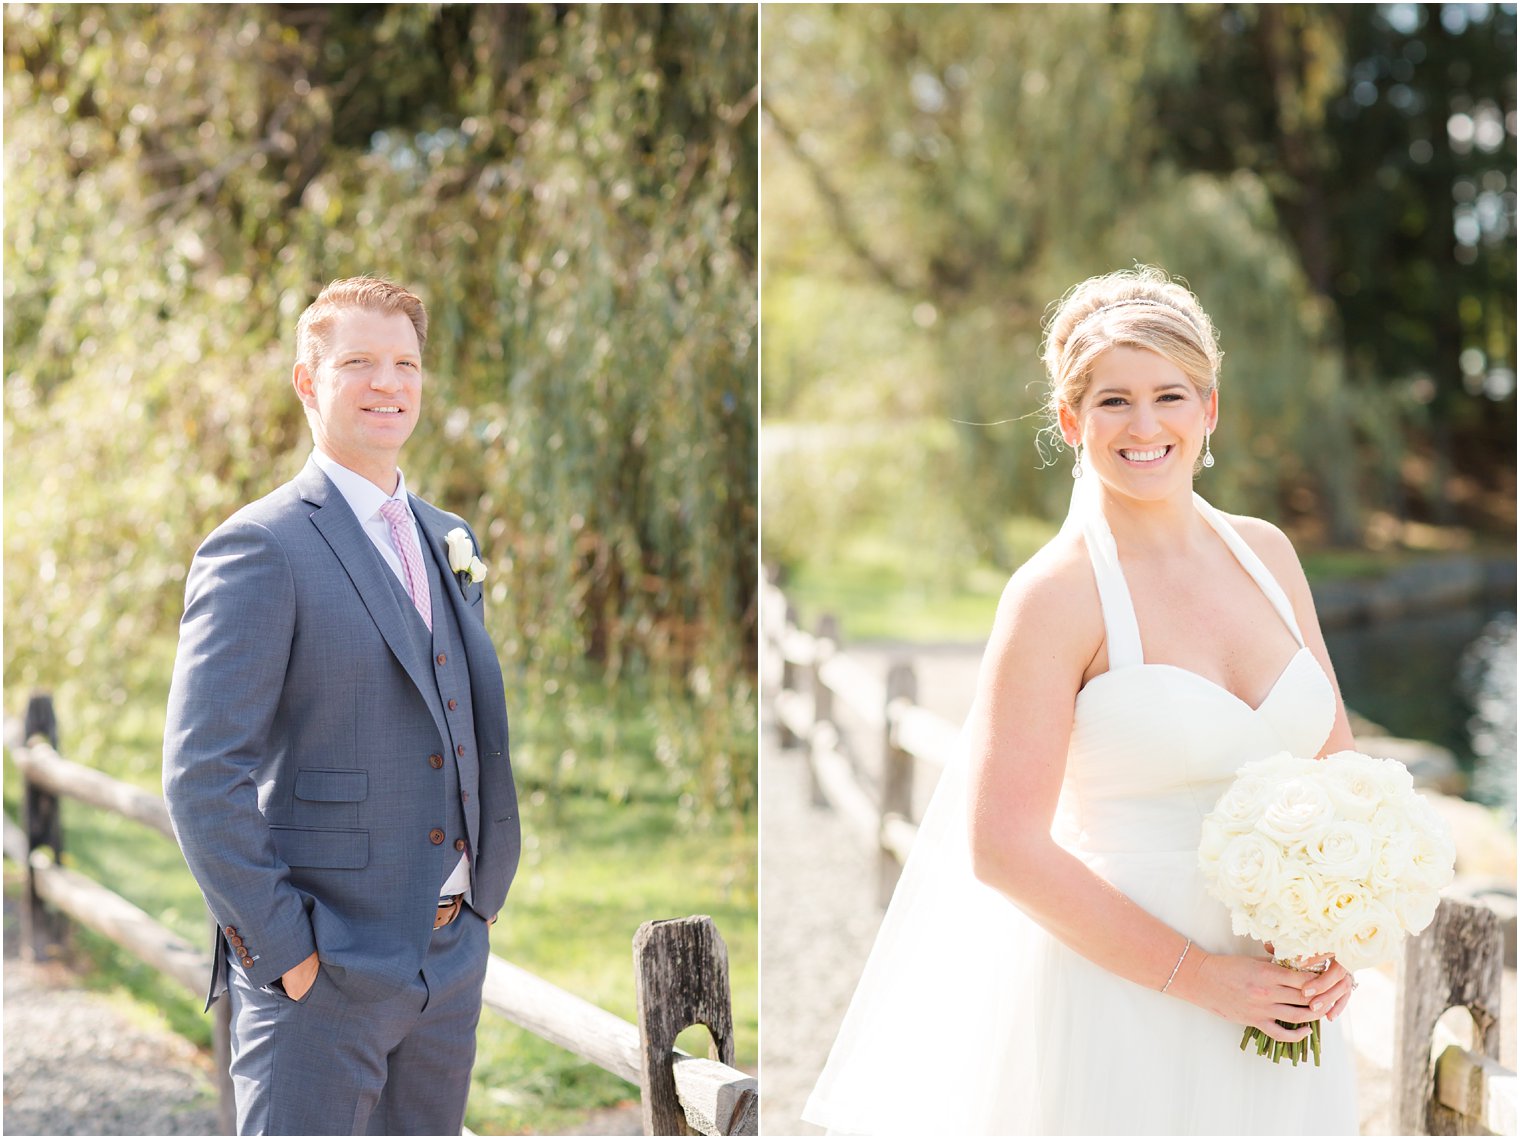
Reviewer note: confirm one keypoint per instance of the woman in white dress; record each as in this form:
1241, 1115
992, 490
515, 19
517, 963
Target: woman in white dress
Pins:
1051, 962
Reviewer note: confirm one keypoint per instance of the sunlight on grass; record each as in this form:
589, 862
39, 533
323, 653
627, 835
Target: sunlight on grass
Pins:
876, 594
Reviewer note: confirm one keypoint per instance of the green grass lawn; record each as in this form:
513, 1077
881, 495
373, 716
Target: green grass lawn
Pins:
878, 594
607, 845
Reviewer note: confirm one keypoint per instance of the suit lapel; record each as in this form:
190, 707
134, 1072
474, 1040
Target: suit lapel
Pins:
362, 562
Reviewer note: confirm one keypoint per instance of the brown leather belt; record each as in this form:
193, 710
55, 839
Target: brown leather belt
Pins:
448, 911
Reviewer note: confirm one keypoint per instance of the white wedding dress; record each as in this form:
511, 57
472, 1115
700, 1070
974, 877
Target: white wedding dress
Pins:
971, 1018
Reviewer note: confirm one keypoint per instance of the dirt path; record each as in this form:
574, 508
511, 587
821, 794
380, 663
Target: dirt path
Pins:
79, 1063
818, 915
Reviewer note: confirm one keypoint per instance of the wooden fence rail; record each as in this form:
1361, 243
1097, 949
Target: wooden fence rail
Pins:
1441, 1086
681, 965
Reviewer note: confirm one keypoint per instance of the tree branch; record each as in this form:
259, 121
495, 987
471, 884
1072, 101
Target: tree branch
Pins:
844, 223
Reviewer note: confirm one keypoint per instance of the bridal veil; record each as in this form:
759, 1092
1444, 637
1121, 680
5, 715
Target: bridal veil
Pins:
944, 1006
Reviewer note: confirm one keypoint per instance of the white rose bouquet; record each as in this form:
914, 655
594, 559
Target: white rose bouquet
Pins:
1336, 855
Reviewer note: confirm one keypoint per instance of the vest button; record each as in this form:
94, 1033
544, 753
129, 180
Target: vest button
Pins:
453, 704
435, 836
459, 750
435, 761
460, 845
442, 658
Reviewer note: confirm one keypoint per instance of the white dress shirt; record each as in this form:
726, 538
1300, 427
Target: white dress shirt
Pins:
365, 499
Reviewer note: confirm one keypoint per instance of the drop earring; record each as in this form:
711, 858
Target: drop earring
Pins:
1076, 468
1208, 455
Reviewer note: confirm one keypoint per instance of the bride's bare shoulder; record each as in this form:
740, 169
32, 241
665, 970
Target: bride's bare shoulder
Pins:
1052, 596
1271, 545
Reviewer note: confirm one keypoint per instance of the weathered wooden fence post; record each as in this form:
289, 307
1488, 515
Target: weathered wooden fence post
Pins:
43, 929
825, 646
788, 676
897, 775
1457, 961
681, 970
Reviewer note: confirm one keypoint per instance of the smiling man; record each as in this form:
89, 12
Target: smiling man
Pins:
335, 757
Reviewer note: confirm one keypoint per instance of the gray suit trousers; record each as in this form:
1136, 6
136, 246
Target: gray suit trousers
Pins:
331, 1065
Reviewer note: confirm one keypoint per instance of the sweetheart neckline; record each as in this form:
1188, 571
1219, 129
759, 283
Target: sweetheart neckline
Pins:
1214, 684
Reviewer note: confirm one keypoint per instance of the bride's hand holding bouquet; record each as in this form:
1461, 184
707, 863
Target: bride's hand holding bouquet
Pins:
1271, 1001
1336, 857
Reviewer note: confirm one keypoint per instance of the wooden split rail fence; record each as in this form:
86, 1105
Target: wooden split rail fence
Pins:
681, 965
1441, 1086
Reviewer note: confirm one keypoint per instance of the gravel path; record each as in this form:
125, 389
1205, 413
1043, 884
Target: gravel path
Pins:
77, 1064
818, 909
818, 918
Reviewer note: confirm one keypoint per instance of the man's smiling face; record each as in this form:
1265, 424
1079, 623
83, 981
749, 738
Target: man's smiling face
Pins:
364, 396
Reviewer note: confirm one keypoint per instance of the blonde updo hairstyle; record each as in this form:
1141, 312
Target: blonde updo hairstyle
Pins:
1132, 308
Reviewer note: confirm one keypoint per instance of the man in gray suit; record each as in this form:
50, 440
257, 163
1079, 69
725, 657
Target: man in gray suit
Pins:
335, 757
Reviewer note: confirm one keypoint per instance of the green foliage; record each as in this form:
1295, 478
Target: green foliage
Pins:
1381, 134
572, 192
937, 175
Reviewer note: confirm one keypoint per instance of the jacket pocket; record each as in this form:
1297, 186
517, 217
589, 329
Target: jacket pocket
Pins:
332, 785
321, 849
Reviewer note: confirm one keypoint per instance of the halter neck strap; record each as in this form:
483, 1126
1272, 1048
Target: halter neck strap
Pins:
1253, 565
1120, 625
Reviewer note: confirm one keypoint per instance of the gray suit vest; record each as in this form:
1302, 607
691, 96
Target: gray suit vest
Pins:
450, 699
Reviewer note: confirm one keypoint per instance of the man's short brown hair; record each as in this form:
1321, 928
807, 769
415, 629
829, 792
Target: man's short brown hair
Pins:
370, 293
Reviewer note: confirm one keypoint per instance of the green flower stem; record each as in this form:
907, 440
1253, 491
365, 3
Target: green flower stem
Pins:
1306, 1049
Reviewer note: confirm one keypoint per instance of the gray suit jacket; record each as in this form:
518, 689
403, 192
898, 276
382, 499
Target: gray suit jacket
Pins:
301, 722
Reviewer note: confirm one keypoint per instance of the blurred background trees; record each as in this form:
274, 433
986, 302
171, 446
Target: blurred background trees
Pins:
572, 190
1335, 182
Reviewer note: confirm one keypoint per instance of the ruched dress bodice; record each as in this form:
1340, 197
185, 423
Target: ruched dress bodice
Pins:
1192, 734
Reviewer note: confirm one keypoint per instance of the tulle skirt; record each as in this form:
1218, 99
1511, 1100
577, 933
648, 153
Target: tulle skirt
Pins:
970, 1018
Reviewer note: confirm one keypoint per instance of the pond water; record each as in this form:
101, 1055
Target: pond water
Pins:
1446, 677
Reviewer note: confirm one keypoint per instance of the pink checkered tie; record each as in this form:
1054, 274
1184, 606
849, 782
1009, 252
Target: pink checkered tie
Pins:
396, 513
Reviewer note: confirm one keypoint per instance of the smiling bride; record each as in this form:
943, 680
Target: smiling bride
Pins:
1051, 962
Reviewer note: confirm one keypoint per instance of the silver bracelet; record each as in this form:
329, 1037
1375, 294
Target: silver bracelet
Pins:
1177, 966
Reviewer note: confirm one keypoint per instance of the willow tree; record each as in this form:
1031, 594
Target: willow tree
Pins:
571, 190
950, 170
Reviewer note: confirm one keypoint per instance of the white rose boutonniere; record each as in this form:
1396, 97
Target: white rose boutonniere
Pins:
462, 556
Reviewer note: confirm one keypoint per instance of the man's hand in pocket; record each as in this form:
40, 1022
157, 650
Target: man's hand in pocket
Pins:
298, 981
